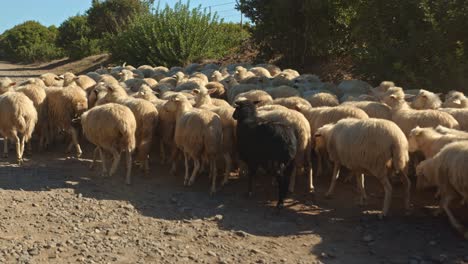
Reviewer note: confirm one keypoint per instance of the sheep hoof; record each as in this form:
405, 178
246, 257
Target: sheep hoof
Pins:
91, 167
128, 182
190, 183
382, 216
78, 154
328, 195
104, 174
20, 162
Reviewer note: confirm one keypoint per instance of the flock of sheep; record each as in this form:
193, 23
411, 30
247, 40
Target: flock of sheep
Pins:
246, 118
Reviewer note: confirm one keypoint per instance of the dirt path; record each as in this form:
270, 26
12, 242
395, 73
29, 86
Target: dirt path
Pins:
55, 210
24, 71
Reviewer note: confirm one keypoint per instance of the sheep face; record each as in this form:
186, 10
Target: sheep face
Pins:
426, 100
174, 102
320, 137
80, 105
5, 84
244, 110
425, 174
413, 145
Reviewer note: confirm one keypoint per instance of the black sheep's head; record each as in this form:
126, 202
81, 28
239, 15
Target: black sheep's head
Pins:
244, 110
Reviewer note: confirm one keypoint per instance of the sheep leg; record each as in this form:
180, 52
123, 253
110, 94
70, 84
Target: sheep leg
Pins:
174, 153
29, 147
361, 188
162, 152
228, 168
69, 147
335, 175
407, 185
128, 176
95, 152
310, 173
194, 172
445, 204
319, 165
18, 149
292, 182
74, 135
115, 162
251, 170
186, 177
5, 147
103, 159
213, 173
22, 143
283, 183
388, 196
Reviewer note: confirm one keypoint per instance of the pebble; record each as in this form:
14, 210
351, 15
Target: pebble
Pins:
241, 233
33, 251
218, 217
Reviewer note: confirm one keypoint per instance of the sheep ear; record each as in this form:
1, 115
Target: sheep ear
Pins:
12, 84
76, 120
195, 91
176, 99
136, 75
76, 78
317, 135
120, 73
110, 88
457, 101
212, 90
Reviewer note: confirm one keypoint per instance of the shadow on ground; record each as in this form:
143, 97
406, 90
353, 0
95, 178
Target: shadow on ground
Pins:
347, 232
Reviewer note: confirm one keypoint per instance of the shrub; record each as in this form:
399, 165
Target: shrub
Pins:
176, 36
75, 38
112, 16
417, 43
30, 42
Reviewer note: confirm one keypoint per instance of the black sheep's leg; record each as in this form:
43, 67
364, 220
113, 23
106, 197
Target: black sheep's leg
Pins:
252, 170
283, 183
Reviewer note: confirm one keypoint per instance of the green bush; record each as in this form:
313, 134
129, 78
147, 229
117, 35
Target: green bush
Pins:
176, 36
416, 43
30, 42
75, 38
112, 16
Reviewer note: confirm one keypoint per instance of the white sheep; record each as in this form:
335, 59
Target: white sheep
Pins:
198, 134
426, 100
321, 116
447, 171
460, 114
374, 146
429, 141
111, 127
407, 118
18, 118
322, 99
372, 109
146, 116
455, 99
282, 91
60, 107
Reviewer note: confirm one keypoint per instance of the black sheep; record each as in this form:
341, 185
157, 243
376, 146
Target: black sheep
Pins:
261, 142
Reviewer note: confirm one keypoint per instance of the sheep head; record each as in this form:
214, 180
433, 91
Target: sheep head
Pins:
426, 175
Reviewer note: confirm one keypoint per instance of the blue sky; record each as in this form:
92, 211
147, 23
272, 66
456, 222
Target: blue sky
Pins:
54, 12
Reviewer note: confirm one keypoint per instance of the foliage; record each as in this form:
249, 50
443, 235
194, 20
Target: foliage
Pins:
176, 36
30, 42
417, 43
109, 17
75, 38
